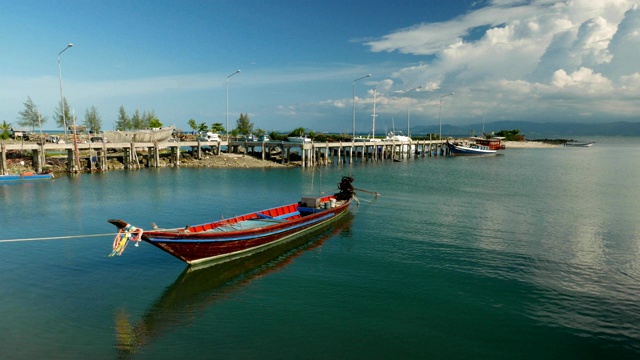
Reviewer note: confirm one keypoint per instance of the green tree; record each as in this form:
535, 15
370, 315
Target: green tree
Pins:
274, 135
509, 135
192, 124
4, 130
203, 127
260, 132
152, 120
123, 122
92, 120
138, 121
63, 107
30, 116
243, 125
217, 128
297, 132
155, 123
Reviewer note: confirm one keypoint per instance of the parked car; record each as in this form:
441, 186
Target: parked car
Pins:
209, 136
53, 139
249, 137
264, 138
96, 139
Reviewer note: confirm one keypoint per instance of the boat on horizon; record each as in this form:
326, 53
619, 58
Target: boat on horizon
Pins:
473, 149
580, 144
242, 235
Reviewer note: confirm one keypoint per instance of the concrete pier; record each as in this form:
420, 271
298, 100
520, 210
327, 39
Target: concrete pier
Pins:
94, 156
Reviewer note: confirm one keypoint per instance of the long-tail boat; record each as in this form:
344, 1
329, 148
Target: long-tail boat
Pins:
240, 235
26, 176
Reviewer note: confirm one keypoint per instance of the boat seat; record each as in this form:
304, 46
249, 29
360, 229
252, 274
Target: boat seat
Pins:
287, 215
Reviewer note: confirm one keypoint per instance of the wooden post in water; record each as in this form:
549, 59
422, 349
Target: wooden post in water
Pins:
90, 160
70, 161
132, 156
156, 153
351, 153
36, 161
3, 159
103, 158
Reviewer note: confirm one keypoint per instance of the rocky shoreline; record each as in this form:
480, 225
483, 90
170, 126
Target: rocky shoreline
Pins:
19, 164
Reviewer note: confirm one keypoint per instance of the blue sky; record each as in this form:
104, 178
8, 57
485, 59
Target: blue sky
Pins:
537, 60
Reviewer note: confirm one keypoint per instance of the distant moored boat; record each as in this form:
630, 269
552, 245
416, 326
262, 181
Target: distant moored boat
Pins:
579, 144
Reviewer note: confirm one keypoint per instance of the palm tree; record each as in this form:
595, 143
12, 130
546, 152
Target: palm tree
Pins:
5, 127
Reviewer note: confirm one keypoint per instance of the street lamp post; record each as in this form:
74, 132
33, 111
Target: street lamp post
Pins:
354, 104
227, 113
373, 123
62, 107
408, 109
440, 114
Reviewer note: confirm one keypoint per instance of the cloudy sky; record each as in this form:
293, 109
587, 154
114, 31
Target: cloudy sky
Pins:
536, 60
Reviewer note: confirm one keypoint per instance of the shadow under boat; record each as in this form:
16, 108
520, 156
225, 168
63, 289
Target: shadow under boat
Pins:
198, 287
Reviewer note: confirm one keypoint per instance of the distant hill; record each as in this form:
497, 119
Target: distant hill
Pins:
533, 130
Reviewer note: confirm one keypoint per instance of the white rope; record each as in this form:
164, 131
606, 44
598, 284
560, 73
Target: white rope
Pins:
55, 238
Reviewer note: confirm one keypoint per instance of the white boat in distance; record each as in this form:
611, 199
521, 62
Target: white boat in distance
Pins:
146, 135
367, 139
299, 139
397, 136
577, 144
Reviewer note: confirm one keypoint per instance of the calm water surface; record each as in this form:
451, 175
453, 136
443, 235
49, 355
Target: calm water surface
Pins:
532, 254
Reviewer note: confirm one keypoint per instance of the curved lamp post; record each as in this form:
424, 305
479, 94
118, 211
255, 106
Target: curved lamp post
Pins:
354, 104
408, 109
62, 107
440, 114
227, 112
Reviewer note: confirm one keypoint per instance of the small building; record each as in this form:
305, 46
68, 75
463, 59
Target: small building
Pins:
18, 133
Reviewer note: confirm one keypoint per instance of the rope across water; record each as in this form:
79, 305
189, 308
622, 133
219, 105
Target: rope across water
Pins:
54, 238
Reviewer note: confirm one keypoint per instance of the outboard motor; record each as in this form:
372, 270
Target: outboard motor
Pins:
346, 189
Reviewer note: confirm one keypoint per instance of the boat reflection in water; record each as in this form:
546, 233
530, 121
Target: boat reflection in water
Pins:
200, 286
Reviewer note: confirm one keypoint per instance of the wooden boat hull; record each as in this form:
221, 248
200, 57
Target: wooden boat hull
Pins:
147, 135
255, 231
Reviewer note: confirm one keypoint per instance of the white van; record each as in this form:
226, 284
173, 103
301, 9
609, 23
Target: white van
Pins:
209, 136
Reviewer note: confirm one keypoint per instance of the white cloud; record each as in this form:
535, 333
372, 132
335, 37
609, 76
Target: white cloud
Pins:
584, 80
526, 53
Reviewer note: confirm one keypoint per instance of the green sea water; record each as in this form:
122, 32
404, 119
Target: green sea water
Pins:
531, 254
